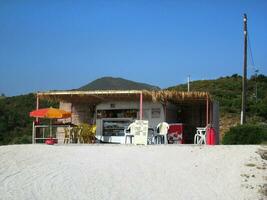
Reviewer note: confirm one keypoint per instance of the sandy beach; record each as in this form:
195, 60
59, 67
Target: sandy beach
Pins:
132, 172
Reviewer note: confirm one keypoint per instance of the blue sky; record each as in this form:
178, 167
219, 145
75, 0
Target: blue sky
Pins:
48, 45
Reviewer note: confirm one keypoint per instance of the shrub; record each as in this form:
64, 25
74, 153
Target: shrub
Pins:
24, 139
87, 133
246, 134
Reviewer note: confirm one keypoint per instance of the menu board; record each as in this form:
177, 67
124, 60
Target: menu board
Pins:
140, 131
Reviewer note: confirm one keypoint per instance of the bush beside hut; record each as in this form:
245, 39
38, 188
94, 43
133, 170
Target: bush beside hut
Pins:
246, 134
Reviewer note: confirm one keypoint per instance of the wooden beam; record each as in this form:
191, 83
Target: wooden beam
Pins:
98, 97
141, 106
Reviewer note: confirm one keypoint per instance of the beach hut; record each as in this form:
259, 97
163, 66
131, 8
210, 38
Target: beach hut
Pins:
113, 110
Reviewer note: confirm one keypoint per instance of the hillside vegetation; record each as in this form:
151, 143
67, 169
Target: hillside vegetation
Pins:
2, 96
228, 92
15, 123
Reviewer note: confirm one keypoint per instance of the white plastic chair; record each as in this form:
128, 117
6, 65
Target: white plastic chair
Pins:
200, 136
163, 128
129, 133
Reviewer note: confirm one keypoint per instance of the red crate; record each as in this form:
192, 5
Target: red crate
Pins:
174, 131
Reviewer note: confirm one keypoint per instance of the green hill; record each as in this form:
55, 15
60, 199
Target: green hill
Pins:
228, 92
111, 83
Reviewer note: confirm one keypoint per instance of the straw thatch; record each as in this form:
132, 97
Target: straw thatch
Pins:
176, 96
95, 97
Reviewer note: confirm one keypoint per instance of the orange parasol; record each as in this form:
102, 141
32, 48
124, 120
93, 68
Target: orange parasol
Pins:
51, 113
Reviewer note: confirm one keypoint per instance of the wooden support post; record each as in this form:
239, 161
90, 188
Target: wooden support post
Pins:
211, 113
165, 110
33, 132
207, 111
37, 107
36, 121
141, 106
72, 109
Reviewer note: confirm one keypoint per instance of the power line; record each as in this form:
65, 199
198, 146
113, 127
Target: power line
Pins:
250, 51
256, 70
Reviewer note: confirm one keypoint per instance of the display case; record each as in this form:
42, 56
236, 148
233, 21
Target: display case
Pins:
115, 127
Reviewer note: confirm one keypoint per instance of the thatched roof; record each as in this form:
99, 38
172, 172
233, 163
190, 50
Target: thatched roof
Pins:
98, 96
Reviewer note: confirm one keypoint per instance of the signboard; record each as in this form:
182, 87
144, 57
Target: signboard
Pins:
140, 131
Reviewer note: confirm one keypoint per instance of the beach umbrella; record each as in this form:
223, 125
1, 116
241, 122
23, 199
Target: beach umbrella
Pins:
50, 113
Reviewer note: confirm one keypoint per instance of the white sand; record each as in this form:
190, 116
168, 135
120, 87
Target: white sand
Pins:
131, 172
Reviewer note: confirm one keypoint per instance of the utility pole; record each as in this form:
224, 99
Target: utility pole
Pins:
244, 80
188, 83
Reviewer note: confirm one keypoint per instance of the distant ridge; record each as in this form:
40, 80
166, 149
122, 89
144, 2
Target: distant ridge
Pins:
111, 83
